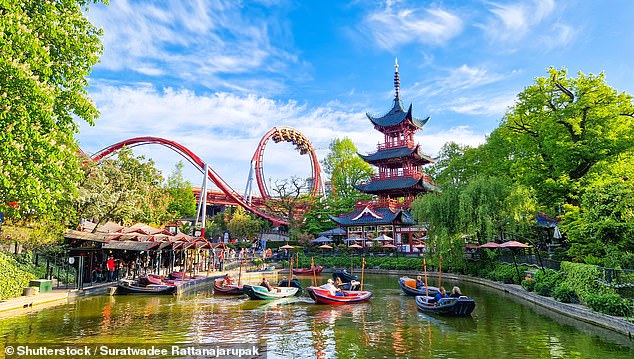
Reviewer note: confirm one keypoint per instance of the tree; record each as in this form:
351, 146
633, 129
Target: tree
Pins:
182, 202
560, 128
47, 50
480, 209
346, 170
242, 225
289, 198
118, 189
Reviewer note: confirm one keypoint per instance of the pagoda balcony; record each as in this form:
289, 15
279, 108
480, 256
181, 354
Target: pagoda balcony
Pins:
402, 173
402, 143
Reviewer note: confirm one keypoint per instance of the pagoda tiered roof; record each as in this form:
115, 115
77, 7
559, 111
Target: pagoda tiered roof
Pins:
397, 152
399, 184
374, 216
396, 116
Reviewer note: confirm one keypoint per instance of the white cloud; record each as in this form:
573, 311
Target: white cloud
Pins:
392, 27
195, 41
433, 141
223, 129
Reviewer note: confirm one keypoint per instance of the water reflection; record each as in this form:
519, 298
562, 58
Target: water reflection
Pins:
388, 326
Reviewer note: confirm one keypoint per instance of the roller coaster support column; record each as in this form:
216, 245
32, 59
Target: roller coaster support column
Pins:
248, 196
202, 205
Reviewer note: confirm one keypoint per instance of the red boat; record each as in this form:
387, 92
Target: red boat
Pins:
300, 271
228, 289
323, 296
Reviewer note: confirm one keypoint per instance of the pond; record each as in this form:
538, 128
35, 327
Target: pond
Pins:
388, 326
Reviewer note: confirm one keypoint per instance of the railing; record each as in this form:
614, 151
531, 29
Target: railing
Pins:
402, 143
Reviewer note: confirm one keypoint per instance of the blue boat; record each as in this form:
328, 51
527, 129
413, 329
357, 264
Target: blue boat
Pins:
461, 306
408, 285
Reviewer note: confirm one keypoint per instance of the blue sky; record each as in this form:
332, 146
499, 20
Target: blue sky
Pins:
215, 76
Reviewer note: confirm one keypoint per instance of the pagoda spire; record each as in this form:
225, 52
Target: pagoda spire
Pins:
397, 80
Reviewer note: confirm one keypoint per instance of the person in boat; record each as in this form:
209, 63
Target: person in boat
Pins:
455, 292
338, 283
440, 295
334, 291
265, 283
227, 279
419, 282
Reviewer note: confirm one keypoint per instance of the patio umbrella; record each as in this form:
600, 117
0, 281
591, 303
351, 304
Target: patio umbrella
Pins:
321, 239
383, 237
512, 245
355, 246
490, 245
325, 246
287, 246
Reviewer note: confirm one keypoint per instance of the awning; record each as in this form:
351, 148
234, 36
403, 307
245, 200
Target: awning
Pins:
131, 245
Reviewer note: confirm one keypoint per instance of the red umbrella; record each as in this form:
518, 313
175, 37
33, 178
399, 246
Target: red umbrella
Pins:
325, 246
355, 246
490, 245
287, 246
514, 245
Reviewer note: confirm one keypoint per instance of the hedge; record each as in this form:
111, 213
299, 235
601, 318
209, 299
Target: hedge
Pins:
14, 276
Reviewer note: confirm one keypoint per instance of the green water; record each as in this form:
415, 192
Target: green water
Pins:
388, 326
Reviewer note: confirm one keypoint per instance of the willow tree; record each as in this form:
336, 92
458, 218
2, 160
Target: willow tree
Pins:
481, 210
47, 50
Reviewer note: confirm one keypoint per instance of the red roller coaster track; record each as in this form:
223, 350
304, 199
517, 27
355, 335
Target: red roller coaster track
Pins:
297, 138
302, 145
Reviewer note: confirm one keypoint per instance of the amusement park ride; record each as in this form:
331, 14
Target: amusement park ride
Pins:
226, 194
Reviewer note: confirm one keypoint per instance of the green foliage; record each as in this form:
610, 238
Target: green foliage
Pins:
611, 304
528, 285
546, 281
182, 202
47, 50
242, 225
15, 274
121, 189
346, 169
565, 295
505, 273
581, 278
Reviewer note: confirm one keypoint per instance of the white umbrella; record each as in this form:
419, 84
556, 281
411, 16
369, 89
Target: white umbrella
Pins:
557, 233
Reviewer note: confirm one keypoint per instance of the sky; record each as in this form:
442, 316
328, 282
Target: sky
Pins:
215, 76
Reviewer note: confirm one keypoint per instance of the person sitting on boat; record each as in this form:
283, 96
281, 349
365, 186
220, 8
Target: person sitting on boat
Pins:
338, 282
265, 283
419, 282
440, 295
455, 293
334, 291
227, 279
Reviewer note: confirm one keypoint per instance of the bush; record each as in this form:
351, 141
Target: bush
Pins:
611, 304
528, 285
565, 295
505, 273
543, 289
14, 276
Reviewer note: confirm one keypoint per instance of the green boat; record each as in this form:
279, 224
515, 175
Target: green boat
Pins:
259, 292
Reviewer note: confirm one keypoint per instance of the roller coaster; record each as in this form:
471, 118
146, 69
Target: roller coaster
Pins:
277, 134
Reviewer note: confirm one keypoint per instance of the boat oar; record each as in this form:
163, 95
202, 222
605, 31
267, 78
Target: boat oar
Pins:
425, 269
362, 270
312, 267
290, 272
440, 271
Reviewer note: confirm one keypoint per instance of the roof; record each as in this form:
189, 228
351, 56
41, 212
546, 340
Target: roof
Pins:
396, 116
131, 245
397, 152
334, 232
366, 216
87, 236
380, 185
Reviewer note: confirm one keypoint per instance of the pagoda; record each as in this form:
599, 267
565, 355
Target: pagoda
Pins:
400, 177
